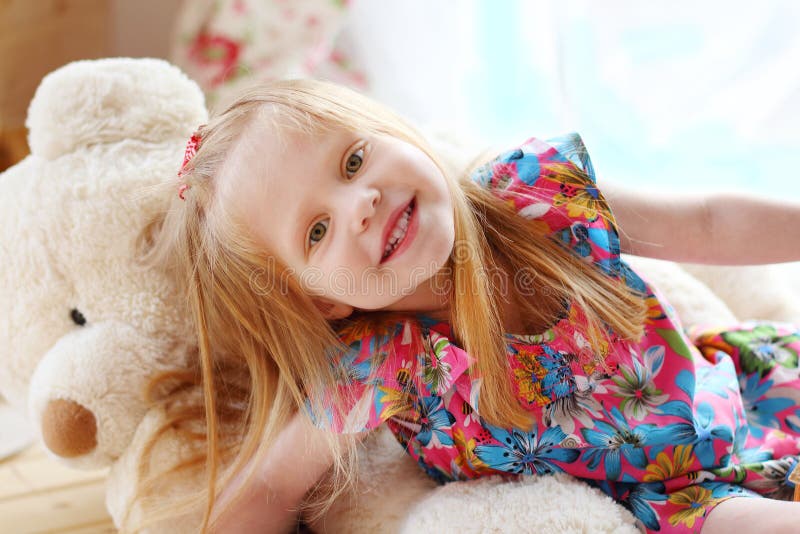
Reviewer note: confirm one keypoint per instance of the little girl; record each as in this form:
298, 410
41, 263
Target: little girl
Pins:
339, 274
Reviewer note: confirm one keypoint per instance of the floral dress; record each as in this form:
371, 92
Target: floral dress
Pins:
683, 420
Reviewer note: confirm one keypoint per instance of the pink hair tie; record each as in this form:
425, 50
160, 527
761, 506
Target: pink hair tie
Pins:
192, 146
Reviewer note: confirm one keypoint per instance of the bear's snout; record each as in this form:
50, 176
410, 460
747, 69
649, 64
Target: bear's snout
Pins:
68, 429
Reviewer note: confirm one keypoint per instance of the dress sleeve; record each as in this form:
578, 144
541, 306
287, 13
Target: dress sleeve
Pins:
371, 386
389, 374
553, 182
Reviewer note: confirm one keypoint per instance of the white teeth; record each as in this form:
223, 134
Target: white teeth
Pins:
398, 232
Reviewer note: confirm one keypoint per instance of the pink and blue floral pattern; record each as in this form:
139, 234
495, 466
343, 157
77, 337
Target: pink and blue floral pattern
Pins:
673, 425
227, 45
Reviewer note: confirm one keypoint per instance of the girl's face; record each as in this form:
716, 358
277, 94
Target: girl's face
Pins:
363, 220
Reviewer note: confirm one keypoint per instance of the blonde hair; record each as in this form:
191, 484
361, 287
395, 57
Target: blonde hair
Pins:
261, 354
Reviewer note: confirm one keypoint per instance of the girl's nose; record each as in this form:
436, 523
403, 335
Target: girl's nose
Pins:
365, 206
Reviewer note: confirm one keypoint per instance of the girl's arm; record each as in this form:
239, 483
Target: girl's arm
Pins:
269, 502
718, 228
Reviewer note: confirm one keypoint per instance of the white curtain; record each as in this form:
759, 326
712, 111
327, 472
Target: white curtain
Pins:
698, 94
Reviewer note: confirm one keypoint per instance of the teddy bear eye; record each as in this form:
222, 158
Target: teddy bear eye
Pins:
77, 317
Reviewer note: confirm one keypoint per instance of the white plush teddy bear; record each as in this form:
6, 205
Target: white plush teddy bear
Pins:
85, 328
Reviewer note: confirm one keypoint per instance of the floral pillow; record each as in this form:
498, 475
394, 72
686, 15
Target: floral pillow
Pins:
225, 45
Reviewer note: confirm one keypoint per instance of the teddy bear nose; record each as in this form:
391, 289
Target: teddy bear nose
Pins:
68, 429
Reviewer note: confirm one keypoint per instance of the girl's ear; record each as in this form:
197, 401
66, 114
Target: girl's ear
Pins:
333, 310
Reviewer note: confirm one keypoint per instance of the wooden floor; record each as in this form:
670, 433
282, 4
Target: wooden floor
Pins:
40, 495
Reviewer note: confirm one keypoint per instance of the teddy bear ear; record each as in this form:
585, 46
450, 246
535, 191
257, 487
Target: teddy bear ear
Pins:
101, 101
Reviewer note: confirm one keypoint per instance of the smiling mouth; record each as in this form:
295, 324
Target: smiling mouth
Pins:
398, 233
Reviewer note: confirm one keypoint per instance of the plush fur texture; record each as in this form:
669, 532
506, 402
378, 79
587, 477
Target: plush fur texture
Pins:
101, 132
84, 327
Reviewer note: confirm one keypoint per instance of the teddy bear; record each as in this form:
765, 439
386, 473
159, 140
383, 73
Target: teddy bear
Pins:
86, 327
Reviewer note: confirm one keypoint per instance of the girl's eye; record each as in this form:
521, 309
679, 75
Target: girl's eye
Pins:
317, 232
353, 163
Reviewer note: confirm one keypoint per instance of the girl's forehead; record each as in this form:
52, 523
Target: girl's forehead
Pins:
267, 175
270, 141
